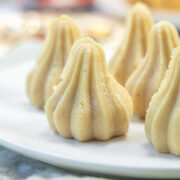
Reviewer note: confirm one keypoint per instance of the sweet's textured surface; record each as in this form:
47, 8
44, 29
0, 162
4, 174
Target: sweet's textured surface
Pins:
146, 79
134, 45
162, 123
88, 103
61, 35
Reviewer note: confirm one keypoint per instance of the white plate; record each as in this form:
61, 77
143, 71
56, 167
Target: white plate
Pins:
24, 129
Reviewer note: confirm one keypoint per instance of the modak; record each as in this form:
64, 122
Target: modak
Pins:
88, 103
45, 74
134, 45
146, 79
162, 123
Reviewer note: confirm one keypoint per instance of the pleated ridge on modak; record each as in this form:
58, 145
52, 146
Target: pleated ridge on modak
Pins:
45, 74
88, 103
162, 123
134, 45
146, 79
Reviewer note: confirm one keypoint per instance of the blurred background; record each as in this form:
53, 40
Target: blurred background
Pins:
21, 20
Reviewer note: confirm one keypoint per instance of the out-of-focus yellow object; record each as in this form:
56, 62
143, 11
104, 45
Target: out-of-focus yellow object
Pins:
99, 30
46, 73
162, 123
164, 4
146, 79
88, 103
134, 45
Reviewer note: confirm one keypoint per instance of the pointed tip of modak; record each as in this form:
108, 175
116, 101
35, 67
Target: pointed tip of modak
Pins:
140, 16
65, 20
162, 24
140, 5
164, 27
64, 17
88, 42
86, 46
140, 8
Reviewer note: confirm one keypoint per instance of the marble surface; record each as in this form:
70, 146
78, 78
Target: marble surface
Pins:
14, 166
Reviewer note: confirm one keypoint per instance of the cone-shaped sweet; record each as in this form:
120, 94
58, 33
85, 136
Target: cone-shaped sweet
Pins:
61, 35
134, 45
146, 79
162, 123
88, 103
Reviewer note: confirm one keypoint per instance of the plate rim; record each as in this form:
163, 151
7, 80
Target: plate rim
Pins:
91, 168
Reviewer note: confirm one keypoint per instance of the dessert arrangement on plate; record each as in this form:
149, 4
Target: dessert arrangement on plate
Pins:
86, 99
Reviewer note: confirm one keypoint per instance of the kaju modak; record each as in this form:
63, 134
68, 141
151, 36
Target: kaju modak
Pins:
45, 74
88, 103
162, 122
134, 45
146, 79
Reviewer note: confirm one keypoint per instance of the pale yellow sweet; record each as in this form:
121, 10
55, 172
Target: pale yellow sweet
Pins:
146, 79
134, 45
88, 103
61, 35
162, 123
164, 4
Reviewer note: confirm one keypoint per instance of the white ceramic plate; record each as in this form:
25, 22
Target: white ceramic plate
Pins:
24, 129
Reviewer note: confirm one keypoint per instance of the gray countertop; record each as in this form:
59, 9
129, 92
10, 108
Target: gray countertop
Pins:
14, 166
